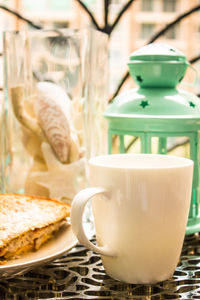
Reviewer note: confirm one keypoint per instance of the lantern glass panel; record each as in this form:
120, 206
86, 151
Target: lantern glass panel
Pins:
125, 144
115, 144
179, 146
132, 144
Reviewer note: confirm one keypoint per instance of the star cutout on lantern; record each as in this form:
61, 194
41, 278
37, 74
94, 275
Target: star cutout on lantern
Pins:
139, 78
62, 180
144, 103
192, 104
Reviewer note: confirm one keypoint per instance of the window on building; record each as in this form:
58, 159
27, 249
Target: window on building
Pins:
169, 5
172, 33
147, 5
50, 5
147, 29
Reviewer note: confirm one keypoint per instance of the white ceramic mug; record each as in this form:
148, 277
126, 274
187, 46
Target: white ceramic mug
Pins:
140, 204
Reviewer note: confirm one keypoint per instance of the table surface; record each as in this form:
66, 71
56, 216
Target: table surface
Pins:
79, 274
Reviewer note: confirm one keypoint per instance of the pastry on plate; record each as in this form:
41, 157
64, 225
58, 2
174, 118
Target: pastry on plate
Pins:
27, 222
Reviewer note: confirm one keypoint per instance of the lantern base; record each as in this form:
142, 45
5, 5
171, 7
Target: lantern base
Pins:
193, 225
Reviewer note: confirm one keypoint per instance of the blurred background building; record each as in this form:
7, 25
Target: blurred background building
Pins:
140, 22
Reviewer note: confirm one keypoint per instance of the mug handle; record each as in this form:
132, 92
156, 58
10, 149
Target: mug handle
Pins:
77, 209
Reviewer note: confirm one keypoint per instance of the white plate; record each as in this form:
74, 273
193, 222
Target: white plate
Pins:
63, 241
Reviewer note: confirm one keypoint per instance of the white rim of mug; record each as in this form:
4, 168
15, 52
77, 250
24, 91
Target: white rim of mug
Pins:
93, 161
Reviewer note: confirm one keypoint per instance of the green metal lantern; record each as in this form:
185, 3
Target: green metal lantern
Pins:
158, 109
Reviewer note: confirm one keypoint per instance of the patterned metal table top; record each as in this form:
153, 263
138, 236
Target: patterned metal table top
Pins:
79, 274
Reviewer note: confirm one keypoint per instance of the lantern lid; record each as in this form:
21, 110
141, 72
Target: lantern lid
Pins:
158, 52
157, 65
154, 103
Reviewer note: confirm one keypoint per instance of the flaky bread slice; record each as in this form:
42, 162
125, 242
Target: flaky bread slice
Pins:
26, 222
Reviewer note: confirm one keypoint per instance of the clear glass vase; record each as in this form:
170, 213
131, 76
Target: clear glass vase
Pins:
55, 95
